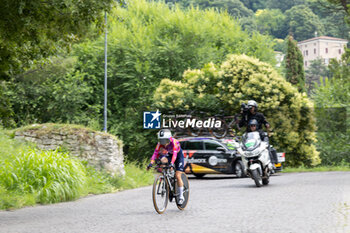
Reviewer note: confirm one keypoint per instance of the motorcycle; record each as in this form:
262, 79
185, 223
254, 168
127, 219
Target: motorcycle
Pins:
255, 157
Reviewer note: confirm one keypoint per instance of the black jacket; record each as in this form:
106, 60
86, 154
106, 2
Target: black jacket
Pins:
247, 117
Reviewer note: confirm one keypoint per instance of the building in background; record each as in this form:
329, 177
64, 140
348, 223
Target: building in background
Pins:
323, 47
279, 56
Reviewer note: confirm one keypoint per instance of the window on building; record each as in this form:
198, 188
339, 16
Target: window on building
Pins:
314, 51
339, 51
305, 63
326, 50
307, 53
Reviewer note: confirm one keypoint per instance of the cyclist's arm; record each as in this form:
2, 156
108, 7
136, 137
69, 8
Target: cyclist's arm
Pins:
155, 153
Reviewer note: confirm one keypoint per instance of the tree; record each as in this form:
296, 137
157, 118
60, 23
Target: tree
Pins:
254, 5
294, 65
234, 7
316, 70
272, 22
241, 78
342, 5
341, 69
55, 92
284, 5
303, 23
35, 29
332, 17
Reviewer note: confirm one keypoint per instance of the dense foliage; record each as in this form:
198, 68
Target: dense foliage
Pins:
333, 105
239, 79
34, 29
303, 23
304, 17
55, 93
147, 42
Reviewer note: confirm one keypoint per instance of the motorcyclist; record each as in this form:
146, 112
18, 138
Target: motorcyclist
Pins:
250, 112
169, 150
253, 125
252, 117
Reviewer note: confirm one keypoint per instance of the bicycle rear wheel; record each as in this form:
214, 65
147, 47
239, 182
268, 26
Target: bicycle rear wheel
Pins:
219, 132
160, 194
186, 192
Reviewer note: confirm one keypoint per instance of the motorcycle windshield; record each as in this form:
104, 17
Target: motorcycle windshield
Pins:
251, 141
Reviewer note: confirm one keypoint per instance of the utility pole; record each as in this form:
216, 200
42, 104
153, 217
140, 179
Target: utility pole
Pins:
105, 98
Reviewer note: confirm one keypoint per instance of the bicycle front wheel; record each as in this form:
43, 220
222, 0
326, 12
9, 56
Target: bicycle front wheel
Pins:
160, 194
186, 192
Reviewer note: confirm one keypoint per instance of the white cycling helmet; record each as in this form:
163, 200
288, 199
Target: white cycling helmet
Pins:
164, 136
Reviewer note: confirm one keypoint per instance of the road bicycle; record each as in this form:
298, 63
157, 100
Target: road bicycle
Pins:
228, 126
165, 188
185, 131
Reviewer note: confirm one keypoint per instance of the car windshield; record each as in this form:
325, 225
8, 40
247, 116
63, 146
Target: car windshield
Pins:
251, 140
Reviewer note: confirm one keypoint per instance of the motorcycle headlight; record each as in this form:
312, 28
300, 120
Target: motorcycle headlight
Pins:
252, 153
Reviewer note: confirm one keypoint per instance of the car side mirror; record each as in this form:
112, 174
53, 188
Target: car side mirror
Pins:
220, 148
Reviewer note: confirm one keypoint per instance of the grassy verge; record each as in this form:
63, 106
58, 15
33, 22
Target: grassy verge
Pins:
29, 176
317, 169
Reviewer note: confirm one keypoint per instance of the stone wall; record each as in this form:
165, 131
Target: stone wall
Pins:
101, 150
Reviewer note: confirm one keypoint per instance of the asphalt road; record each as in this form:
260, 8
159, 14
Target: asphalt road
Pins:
298, 202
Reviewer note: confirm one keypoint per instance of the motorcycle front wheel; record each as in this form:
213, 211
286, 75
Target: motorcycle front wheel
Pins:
257, 178
266, 181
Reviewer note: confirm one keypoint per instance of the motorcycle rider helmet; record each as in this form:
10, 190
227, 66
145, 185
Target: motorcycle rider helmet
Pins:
252, 103
164, 136
253, 122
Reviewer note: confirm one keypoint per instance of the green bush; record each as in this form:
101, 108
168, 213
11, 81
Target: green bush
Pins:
239, 79
53, 176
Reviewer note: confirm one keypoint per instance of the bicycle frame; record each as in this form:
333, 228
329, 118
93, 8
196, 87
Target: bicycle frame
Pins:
168, 177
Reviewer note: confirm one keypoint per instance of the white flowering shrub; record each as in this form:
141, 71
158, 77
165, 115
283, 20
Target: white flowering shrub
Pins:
241, 78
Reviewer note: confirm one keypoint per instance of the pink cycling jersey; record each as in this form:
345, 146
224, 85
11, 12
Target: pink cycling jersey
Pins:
173, 148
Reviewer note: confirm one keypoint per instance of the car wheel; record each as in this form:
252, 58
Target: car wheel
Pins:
199, 175
239, 169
